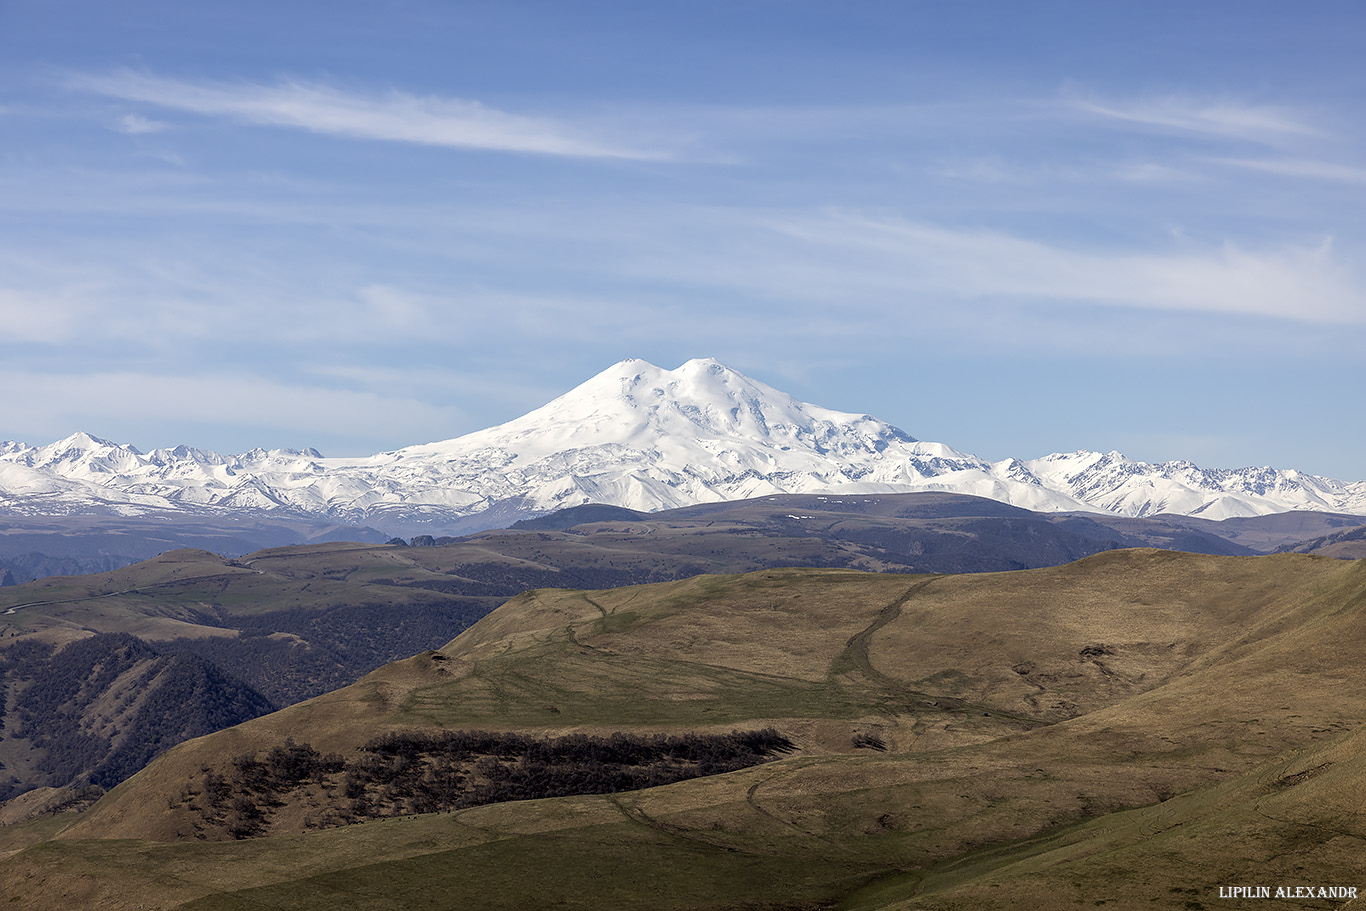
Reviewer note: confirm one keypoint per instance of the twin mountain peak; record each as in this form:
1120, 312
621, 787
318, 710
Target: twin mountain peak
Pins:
637, 436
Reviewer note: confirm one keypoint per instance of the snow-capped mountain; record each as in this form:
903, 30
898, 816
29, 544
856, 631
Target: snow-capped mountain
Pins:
638, 436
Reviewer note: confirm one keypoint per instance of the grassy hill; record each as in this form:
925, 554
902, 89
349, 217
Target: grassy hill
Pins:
1134, 729
294, 622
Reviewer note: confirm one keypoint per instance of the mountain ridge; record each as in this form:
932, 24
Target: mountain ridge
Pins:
635, 436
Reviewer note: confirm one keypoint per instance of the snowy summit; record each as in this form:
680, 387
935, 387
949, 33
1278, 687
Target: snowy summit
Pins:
638, 436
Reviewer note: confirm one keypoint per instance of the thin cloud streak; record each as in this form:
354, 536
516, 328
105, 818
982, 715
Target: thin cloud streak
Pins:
136, 125
1290, 282
394, 117
1262, 123
1315, 170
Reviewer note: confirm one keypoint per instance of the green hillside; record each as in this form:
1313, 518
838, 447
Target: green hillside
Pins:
1135, 729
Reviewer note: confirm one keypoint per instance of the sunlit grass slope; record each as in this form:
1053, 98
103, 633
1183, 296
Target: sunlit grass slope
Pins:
1136, 728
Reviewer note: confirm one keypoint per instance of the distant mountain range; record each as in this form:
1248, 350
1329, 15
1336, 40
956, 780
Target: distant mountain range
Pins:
635, 436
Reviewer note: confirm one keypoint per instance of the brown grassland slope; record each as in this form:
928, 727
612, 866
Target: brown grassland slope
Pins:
295, 622
1133, 730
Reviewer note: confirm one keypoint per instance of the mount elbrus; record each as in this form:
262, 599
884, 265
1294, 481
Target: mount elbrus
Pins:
636, 436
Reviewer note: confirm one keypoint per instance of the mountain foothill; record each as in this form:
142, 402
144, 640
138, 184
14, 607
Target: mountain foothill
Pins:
675, 640
1136, 727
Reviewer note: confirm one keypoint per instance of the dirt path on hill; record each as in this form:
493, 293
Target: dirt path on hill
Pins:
856, 649
855, 654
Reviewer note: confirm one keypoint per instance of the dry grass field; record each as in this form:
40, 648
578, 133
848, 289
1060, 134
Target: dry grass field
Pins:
1133, 730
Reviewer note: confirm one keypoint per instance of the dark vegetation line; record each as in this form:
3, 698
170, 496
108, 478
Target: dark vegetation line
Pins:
405, 773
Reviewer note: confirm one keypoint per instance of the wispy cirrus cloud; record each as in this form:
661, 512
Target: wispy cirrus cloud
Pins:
391, 117
1294, 282
1315, 170
136, 124
1220, 118
1151, 172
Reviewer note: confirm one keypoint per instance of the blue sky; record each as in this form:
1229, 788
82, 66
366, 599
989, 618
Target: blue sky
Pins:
1013, 228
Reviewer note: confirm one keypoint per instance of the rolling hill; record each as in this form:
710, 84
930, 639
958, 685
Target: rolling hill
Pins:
1137, 728
295, 622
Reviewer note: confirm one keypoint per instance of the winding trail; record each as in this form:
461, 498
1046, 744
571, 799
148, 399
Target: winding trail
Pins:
856, 654
856, 649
